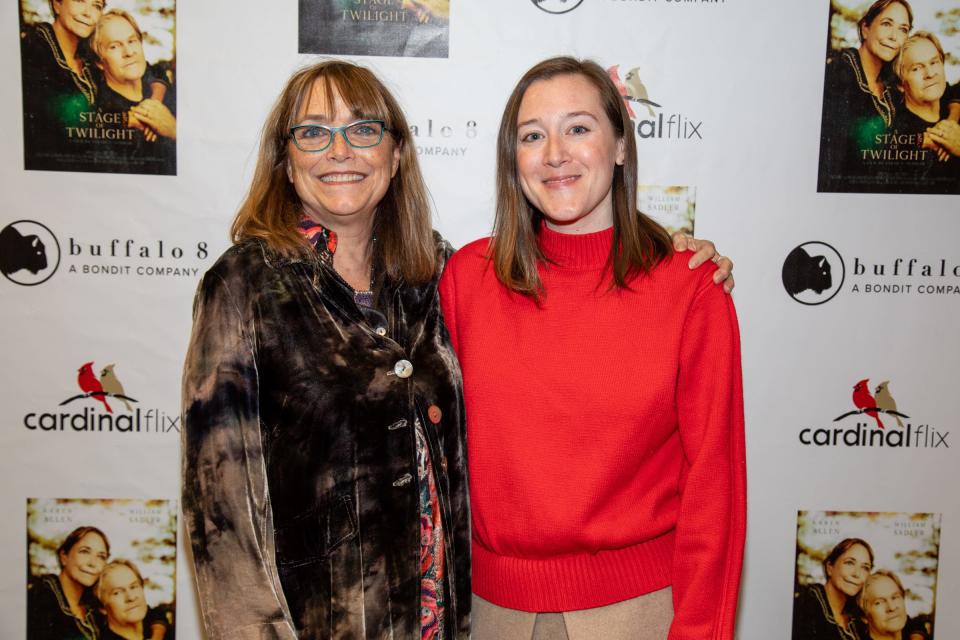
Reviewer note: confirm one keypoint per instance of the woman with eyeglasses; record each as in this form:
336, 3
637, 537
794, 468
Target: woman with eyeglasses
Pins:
325, 486
324, 461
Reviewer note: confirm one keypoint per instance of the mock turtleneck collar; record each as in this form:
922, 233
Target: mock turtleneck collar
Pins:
576, 251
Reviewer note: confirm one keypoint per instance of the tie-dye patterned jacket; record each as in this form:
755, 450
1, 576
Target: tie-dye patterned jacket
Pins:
299, 467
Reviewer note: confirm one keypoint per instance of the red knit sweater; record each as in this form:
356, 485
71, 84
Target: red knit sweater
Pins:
605, 434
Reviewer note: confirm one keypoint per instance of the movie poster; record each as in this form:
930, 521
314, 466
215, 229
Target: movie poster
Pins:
413, 28
863, 575
100, 569
99, 85
674, 207
891, 98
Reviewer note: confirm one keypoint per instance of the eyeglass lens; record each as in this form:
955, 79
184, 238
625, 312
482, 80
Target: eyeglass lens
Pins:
358, 134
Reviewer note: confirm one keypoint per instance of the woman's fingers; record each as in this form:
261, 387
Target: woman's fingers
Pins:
724, 273
705, 250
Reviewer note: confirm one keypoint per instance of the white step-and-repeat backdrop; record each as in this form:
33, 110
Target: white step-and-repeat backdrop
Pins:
845, 236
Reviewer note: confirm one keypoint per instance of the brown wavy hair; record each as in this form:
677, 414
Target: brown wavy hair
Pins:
876, 9
53, 9
841, 548
75, 536
271, 209
639, 243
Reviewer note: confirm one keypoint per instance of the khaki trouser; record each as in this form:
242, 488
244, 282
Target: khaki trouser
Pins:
646, 617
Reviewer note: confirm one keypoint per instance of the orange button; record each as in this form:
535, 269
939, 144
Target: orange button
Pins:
434, 413
443, 463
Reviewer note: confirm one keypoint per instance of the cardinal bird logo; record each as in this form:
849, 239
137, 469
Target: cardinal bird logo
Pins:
111, 384
91, 386
886, 402
632, 89
874, 404
106, 386
864, 401
614, 73
637, 90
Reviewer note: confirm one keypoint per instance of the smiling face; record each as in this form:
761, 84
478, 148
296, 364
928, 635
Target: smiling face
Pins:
340, 183
78, 16
885, 35
850, 570
883, 606
921, 72
566, 154
121, 51
85, 559
121, 592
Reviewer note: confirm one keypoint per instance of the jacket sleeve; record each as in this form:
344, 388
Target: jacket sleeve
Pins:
225, 498
711, 522
448, 306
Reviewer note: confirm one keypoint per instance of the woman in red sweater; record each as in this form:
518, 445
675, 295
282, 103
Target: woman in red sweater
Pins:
602, 384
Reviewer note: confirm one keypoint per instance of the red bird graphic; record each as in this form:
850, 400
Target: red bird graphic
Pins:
863, 400
90, 385
614, 73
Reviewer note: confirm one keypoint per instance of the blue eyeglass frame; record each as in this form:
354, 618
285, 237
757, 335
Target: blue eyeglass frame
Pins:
333, 134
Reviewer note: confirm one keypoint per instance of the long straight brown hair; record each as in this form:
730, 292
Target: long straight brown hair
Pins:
271, 209
639, 243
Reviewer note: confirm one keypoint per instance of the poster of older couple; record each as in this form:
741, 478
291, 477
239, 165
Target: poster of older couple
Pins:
99, 85
891, 97
101, 569
866, 575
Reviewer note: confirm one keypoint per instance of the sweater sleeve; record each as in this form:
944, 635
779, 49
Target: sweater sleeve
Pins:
225, 498
711, 522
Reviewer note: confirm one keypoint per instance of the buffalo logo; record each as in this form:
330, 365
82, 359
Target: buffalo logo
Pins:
632, 89
873, 404
107, 385
557, 6
813, 273
29, 253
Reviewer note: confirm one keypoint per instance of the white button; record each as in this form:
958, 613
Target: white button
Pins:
403, 369
381, 331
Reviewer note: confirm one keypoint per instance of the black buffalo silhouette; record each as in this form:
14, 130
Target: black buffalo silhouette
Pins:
801, 271
21, 252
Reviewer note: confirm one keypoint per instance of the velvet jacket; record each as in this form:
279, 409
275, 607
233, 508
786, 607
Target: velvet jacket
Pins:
299, 466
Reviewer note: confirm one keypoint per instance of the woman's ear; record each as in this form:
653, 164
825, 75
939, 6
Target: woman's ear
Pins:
621, 151
396, 157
